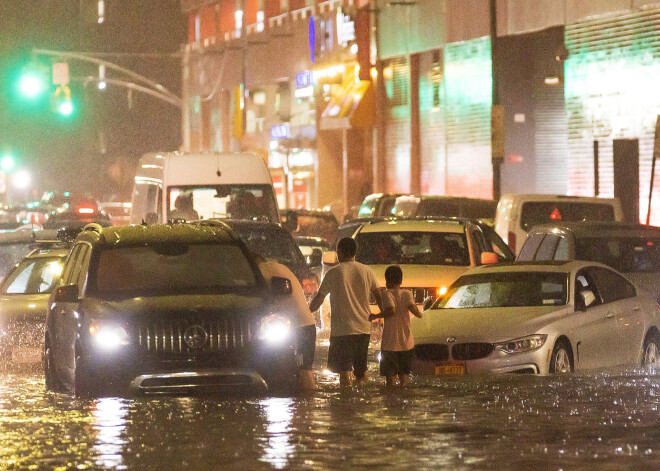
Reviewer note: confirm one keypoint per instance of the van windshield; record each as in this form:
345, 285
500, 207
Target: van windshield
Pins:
534, 213
239, 201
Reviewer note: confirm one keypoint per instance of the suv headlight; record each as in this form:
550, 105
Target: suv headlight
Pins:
274, 329
523, 344
108, 336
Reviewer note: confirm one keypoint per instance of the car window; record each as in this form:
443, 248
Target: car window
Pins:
71, 263
272, 243
529, 248
496, 244
562, 252
437, 207
416, 248
585, 282
33, 276
542, 212
546, 250
624, 254
171, 268
507, 289
84, 268
611, 286
76, 268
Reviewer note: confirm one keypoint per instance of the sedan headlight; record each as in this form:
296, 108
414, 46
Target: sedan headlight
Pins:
108, 336
523, 344
274, 329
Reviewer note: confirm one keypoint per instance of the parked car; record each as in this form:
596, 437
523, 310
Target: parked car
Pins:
632, 249
166, 308
431, 253
517, 214
119, 212
312, 249
76, 218
444, 206
24, 295
310, 223
538, 318
377, 205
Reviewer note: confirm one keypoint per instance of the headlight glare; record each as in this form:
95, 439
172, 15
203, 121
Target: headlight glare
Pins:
523, 344
274, 329
108, 336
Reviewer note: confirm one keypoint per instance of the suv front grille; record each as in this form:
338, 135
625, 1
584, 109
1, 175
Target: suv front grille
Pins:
222, 335
432, 352
471, 351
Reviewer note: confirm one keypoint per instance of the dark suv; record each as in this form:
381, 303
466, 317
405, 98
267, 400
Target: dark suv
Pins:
165, 308
632, 249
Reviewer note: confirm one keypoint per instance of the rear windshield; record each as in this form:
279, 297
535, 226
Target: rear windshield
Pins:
507, 290
628, 255
172, 269
416, 248
534, 213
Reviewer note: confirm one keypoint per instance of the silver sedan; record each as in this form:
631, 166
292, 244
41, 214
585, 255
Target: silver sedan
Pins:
538, 318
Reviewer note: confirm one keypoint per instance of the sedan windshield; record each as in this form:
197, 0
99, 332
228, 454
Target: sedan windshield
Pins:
172, 268
33, 276
513, 289
416, 248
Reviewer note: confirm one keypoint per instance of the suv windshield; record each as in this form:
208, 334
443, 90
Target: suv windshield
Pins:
222, 201
507, 290
547, 212
416, 248
171, 268
33, 276
627, 255
272, 243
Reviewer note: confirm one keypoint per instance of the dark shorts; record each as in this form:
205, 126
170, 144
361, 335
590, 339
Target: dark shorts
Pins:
306, 345
349, 353
395, 363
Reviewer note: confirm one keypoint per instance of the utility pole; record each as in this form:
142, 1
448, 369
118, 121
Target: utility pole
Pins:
497, 111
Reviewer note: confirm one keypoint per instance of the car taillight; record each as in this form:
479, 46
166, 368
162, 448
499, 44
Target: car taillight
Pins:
85, 210
512, 241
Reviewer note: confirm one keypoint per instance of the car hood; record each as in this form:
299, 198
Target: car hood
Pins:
23, 305
422, 276
484, 324
181, 305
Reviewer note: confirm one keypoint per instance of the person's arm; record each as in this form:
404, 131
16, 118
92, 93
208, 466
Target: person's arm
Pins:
415, 310
323, 291
376, 293
317, 301
388, 312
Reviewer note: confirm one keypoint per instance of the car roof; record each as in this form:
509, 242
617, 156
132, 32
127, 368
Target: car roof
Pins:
589, 229
193, 233
554, 197
560, 266
456, 225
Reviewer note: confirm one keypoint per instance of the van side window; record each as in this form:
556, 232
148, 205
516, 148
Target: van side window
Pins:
530, 247
547, 248
561, 253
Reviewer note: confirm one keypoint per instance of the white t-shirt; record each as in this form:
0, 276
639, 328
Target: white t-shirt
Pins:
396, 328
349, 285
295, 304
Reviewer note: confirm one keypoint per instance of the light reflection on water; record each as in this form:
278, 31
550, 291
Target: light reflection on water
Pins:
605, 421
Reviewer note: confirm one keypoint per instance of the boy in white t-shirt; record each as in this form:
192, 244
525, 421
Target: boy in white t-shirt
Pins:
397, 344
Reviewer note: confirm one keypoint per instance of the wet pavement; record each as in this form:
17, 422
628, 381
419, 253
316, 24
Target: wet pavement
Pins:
606, 420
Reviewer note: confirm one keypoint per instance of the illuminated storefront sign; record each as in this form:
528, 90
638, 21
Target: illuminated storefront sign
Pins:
280, 131
304, 79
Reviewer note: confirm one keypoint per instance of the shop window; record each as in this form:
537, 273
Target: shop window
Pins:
436, 77
396, 81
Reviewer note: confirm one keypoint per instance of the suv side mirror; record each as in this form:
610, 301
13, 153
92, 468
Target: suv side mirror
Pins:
281, 286
315, 258
330, 258
66, 294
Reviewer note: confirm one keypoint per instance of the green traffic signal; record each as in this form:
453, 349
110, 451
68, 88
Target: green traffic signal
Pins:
66, 108
31, 85
7, 162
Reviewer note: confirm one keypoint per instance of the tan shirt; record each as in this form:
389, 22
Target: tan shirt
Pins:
396, 328
293, 305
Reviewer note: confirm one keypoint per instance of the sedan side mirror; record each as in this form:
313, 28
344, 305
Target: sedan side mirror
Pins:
330, 258
67, 294
488, 258
584, 300
281, 286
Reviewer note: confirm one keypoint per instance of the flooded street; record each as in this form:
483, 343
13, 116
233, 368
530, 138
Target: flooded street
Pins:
605, 420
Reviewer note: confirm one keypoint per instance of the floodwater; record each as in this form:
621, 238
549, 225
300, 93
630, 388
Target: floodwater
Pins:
606, 420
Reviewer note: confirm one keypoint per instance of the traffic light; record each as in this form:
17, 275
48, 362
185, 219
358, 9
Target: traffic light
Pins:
31, 84
61, 101
7, 162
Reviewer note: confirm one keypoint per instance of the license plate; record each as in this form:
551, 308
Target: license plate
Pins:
26, 355
450, 370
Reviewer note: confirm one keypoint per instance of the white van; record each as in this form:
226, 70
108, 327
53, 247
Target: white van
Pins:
517, 214
201, 186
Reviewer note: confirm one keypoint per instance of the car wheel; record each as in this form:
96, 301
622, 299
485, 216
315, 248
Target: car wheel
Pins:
53, 382
651, 358
561, 361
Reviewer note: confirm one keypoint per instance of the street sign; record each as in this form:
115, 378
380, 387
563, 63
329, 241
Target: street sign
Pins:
60, 73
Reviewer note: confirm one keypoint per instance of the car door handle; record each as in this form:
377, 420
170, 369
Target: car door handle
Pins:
610, 315
637, 308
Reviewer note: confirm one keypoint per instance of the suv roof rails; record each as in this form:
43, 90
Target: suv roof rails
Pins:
217, 222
